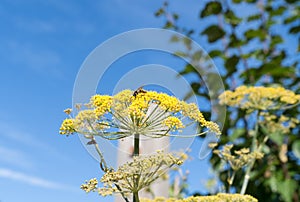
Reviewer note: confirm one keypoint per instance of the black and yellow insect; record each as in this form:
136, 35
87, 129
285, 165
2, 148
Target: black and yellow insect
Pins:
138, 91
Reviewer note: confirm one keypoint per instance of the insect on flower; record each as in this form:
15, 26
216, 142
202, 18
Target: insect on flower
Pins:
138, 91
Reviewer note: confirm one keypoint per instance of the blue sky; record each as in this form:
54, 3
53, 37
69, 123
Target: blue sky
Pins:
43, 44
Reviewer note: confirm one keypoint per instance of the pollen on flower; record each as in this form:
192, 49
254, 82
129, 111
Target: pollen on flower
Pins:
90, 185
173, 122
67, 127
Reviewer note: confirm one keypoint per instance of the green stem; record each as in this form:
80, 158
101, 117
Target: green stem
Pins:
136, 152
136, 146
230, 181
253, 148
136, 197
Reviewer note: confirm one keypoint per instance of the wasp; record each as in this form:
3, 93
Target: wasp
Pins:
138, 91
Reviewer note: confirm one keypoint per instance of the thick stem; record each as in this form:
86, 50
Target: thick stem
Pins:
136, 197
136, 152
136, 146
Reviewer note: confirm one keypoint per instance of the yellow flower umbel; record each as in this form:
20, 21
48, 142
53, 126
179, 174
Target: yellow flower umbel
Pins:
261, 98
148, 113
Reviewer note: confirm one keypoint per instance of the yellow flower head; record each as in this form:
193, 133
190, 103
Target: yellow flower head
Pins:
262, 98
146, 113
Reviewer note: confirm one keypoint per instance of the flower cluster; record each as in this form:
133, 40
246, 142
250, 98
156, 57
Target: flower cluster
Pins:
135, 175
127, 113
240, 158
217, 198
262, 98
277, 124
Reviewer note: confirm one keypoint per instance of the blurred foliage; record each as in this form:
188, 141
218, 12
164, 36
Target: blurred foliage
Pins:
253, 42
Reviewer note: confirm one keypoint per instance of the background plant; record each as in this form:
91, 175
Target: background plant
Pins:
253, 42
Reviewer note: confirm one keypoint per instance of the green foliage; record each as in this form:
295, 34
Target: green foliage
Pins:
254, 49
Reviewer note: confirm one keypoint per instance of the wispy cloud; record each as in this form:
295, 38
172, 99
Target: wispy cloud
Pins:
32, 180
15, 157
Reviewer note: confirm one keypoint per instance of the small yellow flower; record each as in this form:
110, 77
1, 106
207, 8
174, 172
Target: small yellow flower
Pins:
67, 127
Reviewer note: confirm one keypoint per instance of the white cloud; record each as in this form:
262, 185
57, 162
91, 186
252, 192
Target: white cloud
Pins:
32, 180
15, 157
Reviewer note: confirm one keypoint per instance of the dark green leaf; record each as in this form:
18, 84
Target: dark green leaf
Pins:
213, 33
236, 1
251, 1
291, 1
215, 53
231, 63
188, 69
277, 39
231, 18
235, 42
250, 34
290, 19
254, 17
159, 12
279, 11
295, 29
211, 8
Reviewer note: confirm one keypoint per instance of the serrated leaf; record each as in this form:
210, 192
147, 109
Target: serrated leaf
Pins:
296, 148
211, 8
213, 33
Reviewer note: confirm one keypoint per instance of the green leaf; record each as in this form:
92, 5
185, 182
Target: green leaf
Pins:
174, 38
277, 137
235, 42
188, 69
215, 53
290, 19
213, 33
238, 132
236, 1
254, 17
279, 11
277, 39
251, 1
231, 63
159, 12
287, 188
296, 148
251, 34
295, 29
211, 8
231, 18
